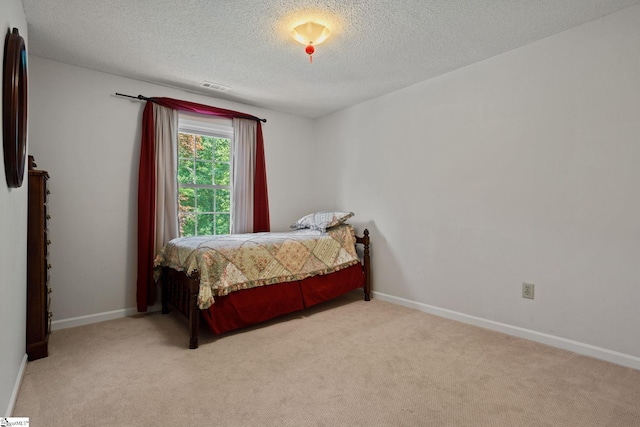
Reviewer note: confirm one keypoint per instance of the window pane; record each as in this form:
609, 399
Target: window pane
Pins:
223, 150
223, 201
185, 172
204, 173
204, 147
187, 225
205, 200
205, 224
222, 175
186, 200
186, 147
222, 223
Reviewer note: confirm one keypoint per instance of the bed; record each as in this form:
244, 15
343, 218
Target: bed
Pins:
233, 281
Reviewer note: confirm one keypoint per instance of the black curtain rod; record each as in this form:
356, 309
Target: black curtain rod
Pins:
144, 98
140, 97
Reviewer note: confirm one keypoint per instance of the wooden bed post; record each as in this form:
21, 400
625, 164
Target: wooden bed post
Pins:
367, 264
194, 312
164, 282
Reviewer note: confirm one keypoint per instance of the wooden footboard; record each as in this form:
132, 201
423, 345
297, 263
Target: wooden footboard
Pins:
180, 292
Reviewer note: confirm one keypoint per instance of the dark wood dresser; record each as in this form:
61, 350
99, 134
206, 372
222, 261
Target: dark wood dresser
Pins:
38, 291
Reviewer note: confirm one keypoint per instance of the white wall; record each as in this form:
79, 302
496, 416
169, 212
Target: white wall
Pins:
521, 168
88, 139
13, 251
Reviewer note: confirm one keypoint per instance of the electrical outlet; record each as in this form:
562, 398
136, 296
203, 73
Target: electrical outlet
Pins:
527, 290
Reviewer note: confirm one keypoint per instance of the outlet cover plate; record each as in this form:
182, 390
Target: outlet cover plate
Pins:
528, 290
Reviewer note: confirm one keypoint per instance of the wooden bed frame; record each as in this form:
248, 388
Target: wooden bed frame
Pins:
180, 292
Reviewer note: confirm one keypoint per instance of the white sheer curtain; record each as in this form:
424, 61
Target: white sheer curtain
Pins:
244, 166
166, 143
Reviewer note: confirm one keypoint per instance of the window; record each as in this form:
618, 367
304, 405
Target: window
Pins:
204, 175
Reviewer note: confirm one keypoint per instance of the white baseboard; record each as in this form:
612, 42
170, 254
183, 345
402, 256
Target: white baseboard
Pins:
563, 343
16, 387
98, 317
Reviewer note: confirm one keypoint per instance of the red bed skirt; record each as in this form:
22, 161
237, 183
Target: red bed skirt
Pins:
255, 305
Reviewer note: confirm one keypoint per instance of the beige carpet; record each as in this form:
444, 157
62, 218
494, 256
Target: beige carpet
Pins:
345, 363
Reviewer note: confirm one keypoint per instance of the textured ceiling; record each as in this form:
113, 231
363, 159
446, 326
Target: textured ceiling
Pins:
375, 47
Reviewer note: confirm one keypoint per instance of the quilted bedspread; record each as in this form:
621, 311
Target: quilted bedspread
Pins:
228, 263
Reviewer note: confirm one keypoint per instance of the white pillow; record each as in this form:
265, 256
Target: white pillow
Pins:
321, 220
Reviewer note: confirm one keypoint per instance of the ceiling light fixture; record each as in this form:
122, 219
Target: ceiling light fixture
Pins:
310, 34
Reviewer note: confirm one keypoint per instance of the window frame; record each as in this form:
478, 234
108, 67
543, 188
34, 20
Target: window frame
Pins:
214, 127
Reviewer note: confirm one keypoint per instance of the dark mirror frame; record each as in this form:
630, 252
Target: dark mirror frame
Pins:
14, 108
